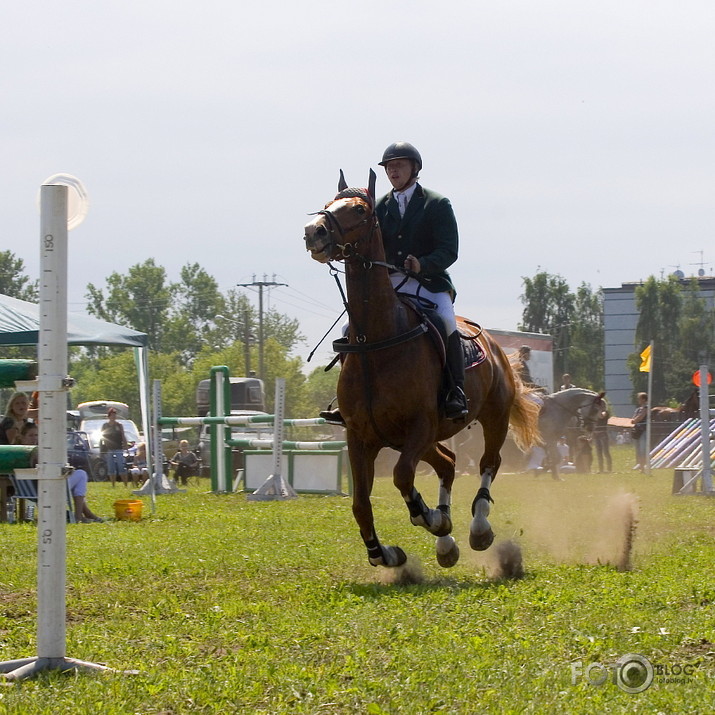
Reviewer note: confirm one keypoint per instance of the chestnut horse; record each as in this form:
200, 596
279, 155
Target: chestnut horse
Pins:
688, 409
390, 381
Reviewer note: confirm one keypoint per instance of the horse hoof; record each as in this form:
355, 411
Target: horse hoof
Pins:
481, 542
447, 552
445, 527
397, 557
392, 557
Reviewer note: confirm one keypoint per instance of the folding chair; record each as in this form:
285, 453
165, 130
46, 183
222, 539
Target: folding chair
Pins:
26, 490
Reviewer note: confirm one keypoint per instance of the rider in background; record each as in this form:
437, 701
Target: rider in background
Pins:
419, 231
522, 366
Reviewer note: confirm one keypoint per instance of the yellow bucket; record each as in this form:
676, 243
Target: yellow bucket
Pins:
128, 509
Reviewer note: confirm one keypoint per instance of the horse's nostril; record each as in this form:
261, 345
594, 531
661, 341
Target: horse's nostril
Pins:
321, 231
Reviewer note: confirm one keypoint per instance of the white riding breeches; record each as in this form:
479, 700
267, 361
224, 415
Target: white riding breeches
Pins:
443, 301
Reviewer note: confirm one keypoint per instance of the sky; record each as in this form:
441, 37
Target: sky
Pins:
571, 137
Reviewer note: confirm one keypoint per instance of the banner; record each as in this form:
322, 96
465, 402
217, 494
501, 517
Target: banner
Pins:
645, 360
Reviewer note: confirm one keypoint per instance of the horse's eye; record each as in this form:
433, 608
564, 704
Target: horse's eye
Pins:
360, 209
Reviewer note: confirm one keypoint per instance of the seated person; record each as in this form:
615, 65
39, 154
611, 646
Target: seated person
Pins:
184, 462
138, 471
77, 480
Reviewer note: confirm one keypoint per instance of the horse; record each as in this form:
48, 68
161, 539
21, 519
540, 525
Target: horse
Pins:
390, 380
685, 411
562, 410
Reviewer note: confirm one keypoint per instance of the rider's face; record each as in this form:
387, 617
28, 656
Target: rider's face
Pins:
399, 172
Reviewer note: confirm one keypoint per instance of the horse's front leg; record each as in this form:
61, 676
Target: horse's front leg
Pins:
362, 462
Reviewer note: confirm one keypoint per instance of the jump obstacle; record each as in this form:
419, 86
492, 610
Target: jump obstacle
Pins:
683, 451
313, 466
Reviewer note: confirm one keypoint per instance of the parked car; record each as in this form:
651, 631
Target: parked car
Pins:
93, 429
78, 451
92, 416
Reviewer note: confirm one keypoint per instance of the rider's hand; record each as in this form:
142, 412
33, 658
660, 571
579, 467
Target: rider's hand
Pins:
412, 264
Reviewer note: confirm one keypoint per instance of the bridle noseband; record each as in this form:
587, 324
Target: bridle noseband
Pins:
338, 234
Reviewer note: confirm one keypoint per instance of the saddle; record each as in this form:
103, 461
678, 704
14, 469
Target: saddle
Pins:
469, 331
433, 325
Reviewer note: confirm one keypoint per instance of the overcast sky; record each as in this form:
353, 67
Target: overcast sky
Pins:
572, 137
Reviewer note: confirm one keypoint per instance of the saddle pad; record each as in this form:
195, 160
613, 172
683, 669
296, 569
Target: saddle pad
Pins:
474, 353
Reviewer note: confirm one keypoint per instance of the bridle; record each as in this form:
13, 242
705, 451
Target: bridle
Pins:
587, 419
339, 234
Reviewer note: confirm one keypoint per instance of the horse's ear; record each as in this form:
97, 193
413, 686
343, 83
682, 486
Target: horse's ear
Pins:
371, 185
601, 395
342, 184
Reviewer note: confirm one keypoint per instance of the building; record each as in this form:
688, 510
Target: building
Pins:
620, 319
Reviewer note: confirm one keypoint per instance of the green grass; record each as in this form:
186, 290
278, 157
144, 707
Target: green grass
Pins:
226, 605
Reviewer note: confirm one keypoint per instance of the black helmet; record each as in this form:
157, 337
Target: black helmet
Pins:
402, 150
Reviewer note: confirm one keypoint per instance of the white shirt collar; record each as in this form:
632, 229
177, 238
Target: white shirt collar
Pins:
407, 193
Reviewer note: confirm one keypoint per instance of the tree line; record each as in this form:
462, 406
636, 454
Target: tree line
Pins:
192, 325
672, 314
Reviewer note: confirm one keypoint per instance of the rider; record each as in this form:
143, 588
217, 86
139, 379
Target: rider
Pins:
419, 231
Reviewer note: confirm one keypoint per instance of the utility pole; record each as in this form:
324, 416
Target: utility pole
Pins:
260, 285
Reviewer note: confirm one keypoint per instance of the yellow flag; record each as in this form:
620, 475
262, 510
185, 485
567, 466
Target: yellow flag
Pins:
645, 360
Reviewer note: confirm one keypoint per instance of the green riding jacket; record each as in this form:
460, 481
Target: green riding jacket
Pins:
428, 231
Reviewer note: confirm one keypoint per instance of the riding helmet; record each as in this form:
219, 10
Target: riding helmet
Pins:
402, 150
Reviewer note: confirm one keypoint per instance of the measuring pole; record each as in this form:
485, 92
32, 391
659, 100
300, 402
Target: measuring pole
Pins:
51, 469
705, 430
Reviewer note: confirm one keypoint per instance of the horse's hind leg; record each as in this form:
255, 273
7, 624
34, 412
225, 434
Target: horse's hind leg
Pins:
442, 460
481, 535
436, 521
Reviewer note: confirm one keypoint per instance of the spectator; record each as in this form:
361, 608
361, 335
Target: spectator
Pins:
112, 445
33, 413
77, 480
184, 462
15, 419
600, 439
567, 382
638, 433
139, 470
524, 355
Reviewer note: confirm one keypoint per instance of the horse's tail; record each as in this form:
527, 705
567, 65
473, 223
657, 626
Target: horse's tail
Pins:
524, 414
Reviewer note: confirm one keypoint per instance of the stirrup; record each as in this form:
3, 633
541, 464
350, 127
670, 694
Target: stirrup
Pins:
455, 406
332, 417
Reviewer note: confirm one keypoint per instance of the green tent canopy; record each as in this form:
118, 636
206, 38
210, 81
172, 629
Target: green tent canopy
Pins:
20, 325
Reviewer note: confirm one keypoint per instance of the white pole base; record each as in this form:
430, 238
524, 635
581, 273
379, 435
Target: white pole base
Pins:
28, 667
273, 489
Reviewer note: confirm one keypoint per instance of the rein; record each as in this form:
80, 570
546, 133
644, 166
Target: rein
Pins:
349, 251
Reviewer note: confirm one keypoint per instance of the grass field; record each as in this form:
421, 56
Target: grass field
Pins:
230, 606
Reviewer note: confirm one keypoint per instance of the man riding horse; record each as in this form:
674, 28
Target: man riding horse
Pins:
419, 232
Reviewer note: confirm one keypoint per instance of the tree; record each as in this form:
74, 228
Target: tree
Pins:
586, 351
196, 300
140, 300
13, 281
574, 320
660, 308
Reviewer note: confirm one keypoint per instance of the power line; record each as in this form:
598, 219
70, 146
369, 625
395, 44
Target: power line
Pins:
260, 285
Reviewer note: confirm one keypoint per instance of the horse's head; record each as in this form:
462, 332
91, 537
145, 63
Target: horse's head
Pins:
593, 410
336, 231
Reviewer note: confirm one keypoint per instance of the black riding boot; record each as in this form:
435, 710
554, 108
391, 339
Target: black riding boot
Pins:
455, 406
